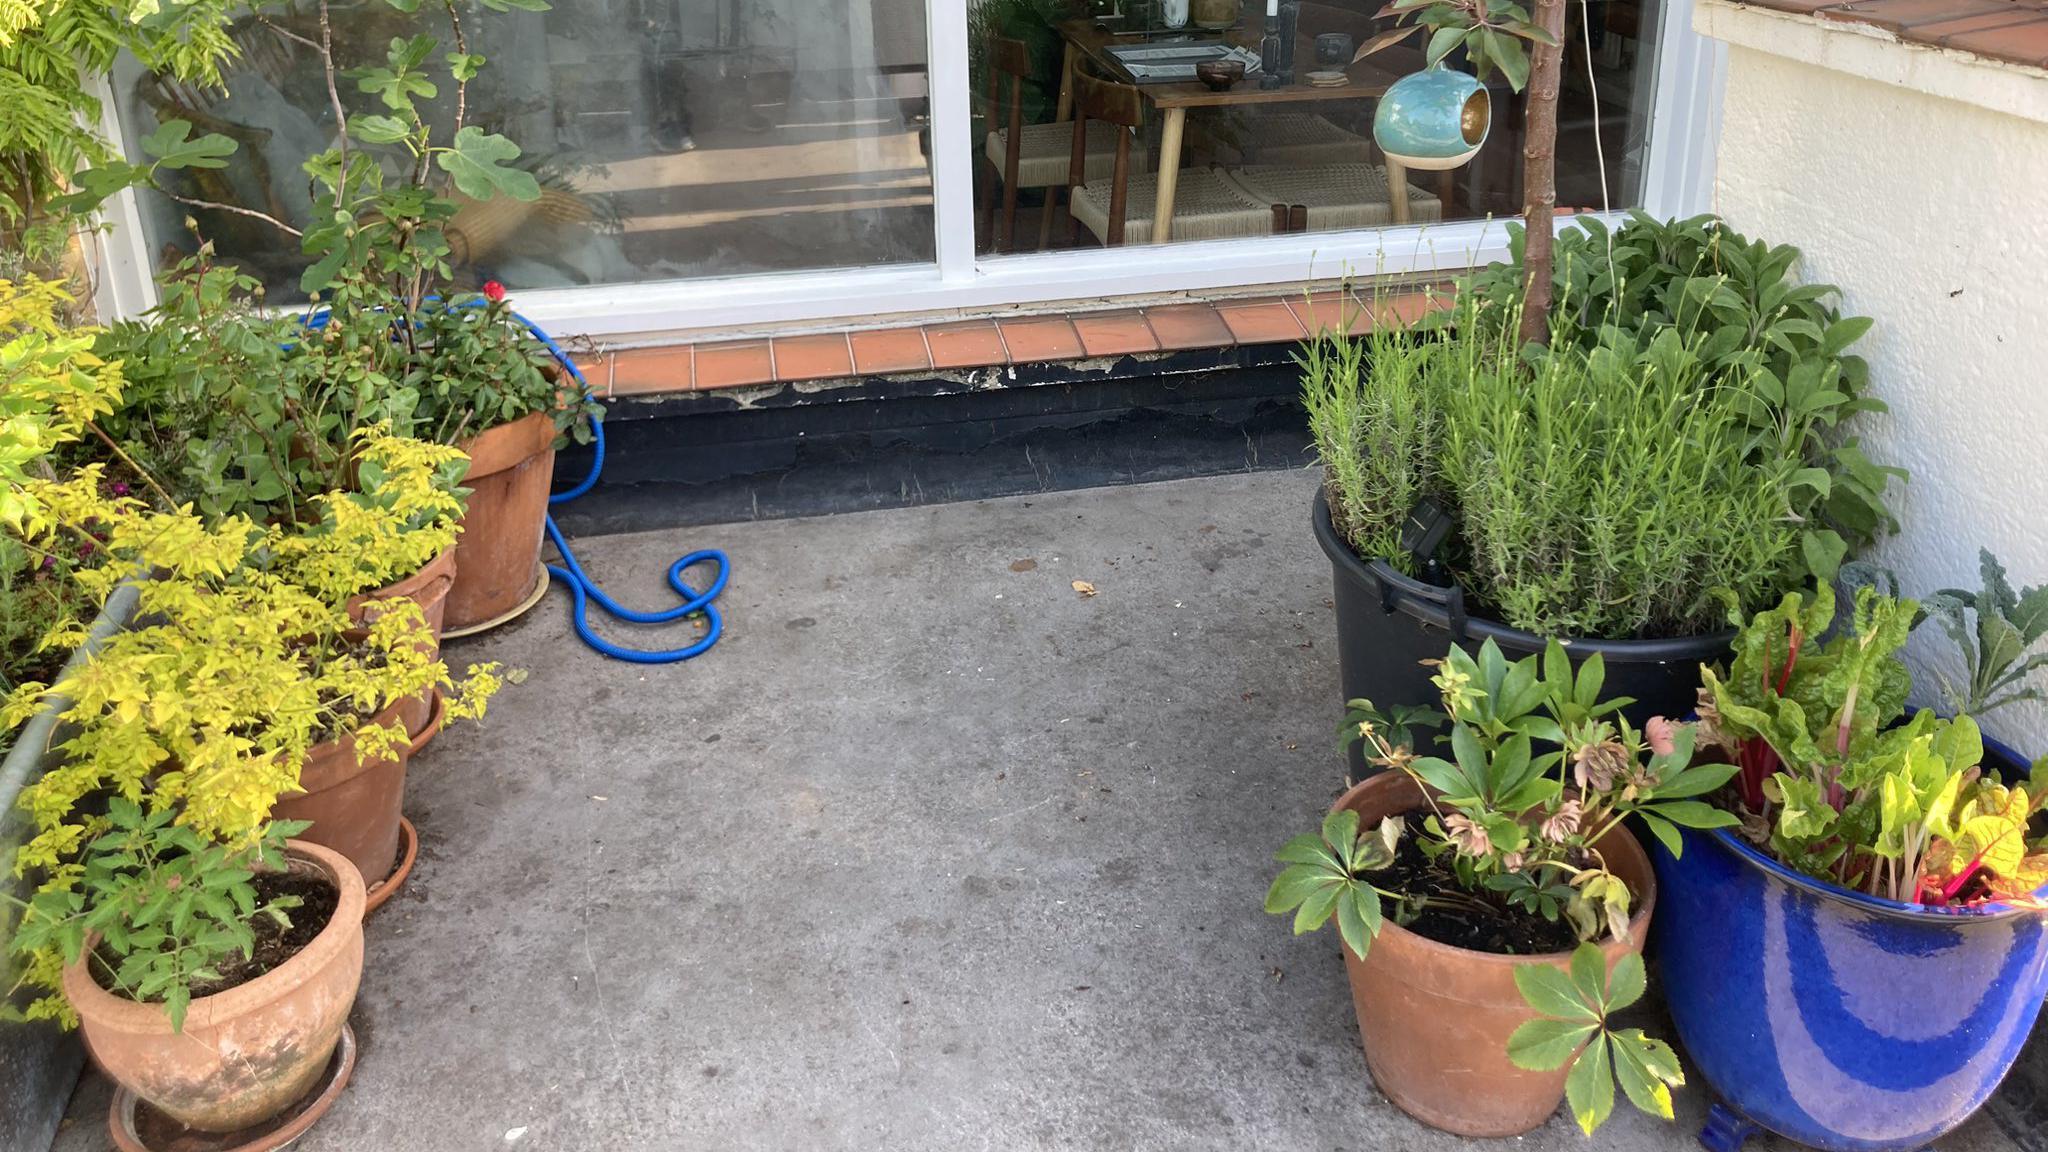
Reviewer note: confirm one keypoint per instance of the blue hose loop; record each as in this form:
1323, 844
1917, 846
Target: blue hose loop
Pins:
582, 589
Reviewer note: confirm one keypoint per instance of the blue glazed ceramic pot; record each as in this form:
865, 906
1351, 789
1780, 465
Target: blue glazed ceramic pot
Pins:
1433, 119
1843, 1021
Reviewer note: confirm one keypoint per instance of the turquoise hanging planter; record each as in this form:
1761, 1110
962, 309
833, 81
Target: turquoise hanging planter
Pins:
1433, 119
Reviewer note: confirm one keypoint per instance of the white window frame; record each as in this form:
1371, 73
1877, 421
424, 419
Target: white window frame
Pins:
1677, 180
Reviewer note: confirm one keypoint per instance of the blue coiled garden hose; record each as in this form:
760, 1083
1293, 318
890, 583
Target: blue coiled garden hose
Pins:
583, 590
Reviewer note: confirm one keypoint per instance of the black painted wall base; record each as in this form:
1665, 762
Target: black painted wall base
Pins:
710, 458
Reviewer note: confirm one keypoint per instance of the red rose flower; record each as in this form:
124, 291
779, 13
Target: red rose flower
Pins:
494, 292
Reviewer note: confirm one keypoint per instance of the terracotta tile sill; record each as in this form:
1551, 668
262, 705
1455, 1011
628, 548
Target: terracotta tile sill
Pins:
964, 345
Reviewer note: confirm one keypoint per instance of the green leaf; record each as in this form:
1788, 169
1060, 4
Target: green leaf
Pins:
1317, 909
1340, 832
1513, 62
1358, 918
476, 162
1665, 833
1625, 984
464, 67
1693, 814
1544, 1044
1696, 781
1442, 41
176, 1000
1295, 885
171, 148
1589, 1087
1647, 1069
1307, 848
1589, 974
1550, 992
374, 129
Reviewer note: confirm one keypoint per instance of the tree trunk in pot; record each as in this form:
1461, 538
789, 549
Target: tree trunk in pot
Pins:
1539, 171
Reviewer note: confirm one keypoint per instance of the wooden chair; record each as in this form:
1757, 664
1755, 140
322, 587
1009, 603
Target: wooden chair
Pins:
1029, 155
1205, 205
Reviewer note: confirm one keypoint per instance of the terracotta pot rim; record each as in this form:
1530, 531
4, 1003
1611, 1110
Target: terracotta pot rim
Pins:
120, 1014
503, 447
1638, 923
442, 566
337, 758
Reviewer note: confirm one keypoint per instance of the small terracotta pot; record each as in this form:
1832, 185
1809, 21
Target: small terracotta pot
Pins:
355, 808
1436, 1019
247, 1053
427, 588
497, 557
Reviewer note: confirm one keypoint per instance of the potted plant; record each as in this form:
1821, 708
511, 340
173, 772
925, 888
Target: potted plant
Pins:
1475, 488
51, 388
488, 384
212, 980
392, 336
1859, 964
240, 664
1492, 906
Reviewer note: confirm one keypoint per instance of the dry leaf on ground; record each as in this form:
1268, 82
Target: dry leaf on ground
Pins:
1084, 588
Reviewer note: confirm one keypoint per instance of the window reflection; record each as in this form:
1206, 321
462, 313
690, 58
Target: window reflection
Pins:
672, 138
1239, 156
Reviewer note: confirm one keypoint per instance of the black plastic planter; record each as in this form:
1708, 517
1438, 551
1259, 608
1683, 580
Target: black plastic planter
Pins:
1388, 624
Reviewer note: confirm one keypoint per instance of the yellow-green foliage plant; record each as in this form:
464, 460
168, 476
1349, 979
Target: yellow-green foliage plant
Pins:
405, 510
51, 385
208, 710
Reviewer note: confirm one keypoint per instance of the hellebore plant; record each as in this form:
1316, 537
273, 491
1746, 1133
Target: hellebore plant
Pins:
1541, 770
1837, 788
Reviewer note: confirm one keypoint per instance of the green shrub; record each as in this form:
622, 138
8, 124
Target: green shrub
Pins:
1736, 303
1599, 491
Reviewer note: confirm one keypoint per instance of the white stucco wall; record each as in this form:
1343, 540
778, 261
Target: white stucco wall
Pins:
1917, 180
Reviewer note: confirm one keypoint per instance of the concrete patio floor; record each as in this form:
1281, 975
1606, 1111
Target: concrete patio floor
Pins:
930, 853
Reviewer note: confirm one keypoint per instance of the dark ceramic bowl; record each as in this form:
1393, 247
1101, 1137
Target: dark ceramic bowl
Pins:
1219, 75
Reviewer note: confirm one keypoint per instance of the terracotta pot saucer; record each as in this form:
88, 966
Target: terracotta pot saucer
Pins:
381, 892
137, 1127
534, 596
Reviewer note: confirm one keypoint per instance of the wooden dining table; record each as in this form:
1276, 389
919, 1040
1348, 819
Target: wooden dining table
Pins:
1089, 41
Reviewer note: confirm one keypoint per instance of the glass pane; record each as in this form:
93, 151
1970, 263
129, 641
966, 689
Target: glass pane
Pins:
672, 138
1298, 135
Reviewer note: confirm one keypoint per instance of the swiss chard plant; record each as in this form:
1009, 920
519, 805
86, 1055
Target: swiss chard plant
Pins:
1836, 787
1541, 770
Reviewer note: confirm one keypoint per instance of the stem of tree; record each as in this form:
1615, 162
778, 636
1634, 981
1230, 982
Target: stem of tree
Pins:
1539, 171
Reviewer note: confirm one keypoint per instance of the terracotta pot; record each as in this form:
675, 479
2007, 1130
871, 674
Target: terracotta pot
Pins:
247, 1053
1436, 1019
497, 558
355, 808
427, 588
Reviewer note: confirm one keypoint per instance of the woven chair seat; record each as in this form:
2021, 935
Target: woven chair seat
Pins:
1205, 207
1045, 151
1286, 138
1338, 196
